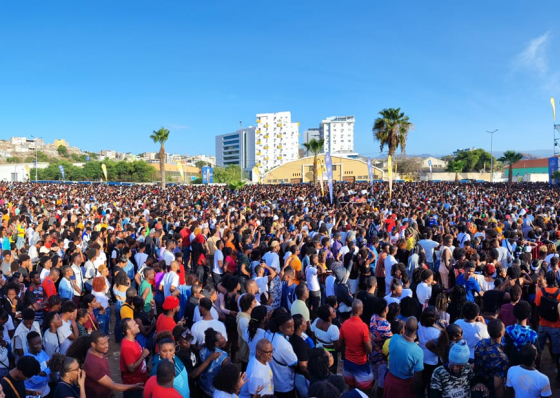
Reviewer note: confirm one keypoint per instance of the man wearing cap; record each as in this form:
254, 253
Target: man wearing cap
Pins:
271, 257
166, 320
455, 379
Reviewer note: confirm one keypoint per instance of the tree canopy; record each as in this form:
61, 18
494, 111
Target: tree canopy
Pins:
391, 129
123, 171
475, 160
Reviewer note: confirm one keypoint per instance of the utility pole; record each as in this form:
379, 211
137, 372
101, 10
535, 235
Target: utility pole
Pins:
241, 147
491, 154
35, 139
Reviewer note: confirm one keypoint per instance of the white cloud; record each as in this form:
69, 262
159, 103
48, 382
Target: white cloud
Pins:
178, 127
534, 57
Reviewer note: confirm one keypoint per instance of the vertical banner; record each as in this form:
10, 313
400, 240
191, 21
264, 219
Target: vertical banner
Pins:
320, 170
430, 164
256, 175
104, 168
370, 173
390, 174
62, 172
553, 103
180, 168
328, 165
552, 167
87, 158
207, 175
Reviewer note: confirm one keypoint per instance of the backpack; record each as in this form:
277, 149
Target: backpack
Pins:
549, 305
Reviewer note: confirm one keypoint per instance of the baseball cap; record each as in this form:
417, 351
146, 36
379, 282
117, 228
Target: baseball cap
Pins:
170, 303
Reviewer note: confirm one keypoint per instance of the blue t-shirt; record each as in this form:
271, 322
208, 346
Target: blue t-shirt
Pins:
471, 286
406, 358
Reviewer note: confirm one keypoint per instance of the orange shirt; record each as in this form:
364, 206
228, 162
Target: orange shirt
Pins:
234, 251
295, 263
542, 321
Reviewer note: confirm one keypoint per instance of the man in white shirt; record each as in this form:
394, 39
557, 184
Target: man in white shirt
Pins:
77, 278
168, 255
259, 372
525, 380
429, 247
271, 257
218, 266
389, 261
171, 280
198, 328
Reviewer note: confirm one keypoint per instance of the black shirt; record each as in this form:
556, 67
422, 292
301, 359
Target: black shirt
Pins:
19, 385
65, 390
301, 349
369, 300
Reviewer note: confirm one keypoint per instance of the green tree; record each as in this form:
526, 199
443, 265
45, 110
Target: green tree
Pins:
229, 174
509, 158
475, 159
456, 166
161, 136
556, 176
13, 159
62, 150
236, 185
42, 157
29, 159
391, 129
315, 147
201, 163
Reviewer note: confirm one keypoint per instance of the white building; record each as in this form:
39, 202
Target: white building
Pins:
108, 154
18, 140
338, 133
437, 164
276, 140
20, 172
308, 135
236, 148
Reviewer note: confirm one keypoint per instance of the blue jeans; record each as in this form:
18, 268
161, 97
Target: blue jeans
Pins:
553, 334
118, 332
302, 385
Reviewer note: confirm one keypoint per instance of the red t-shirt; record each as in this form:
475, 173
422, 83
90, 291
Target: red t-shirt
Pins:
95, 369
130, 352
165, 323
182, 280
49, 287
153, 390
355, 333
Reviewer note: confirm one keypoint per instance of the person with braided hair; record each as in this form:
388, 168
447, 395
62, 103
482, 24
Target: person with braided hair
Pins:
256, 329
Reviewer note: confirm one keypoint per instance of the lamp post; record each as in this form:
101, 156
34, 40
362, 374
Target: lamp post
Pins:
35, 139
491, 155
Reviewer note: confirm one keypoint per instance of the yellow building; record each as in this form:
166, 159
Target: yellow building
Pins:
172, 171
301, 170
58, 143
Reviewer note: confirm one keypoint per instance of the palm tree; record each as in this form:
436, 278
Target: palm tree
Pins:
161, 136
456, 166
510, 158
391, 129
315, 147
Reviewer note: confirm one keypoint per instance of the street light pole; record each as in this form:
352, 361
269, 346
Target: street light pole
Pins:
491, 155
35, 139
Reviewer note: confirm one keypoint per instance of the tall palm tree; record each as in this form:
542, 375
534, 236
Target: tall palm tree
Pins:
315, 147
391, 129
510, 158
456, 166
161, 136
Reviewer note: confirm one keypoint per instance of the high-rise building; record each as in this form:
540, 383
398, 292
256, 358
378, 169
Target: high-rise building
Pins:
309, 135
276, 140
338, 133
236, 148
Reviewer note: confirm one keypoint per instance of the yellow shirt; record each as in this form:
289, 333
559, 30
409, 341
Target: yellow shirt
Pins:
127, 311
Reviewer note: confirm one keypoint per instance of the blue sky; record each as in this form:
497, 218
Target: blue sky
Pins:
103, 74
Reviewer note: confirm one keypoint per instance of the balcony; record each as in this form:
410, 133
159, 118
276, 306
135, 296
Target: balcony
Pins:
280, 147
280, 158
258, 120
279, 135
258, 165
259, 153
266, 137
266, 147
258, 131
266, 126
279, 124
266, 159
258, 142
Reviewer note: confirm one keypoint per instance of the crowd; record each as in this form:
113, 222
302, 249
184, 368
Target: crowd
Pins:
435, 289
